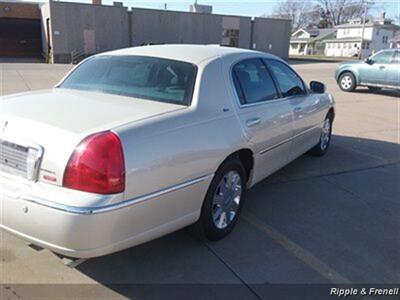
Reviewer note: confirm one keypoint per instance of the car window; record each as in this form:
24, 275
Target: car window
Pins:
136, 76
289, 82
253, 82
383, 57
396, 57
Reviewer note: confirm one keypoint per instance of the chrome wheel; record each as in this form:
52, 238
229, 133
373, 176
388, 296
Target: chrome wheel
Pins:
226, 199
325, 134
346, 82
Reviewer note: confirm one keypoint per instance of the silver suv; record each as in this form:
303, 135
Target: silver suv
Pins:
381, 70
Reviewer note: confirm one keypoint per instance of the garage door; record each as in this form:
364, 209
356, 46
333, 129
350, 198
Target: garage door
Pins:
20, 37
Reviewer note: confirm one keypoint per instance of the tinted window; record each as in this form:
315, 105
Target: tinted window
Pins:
253, 82
289, 82
141, 77
396, 57
383, 57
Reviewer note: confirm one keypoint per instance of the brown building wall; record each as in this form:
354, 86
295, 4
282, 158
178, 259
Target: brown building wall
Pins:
20, 29
19, 10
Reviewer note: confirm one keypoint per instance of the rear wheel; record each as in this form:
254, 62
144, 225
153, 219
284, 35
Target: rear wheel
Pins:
325, 139
347, 82
224, 200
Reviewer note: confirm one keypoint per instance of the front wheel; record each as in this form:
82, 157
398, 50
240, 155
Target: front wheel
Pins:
224, 200
347, 82
325, 139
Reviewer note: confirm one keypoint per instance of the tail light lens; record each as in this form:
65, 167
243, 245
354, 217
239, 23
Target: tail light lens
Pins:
97, 165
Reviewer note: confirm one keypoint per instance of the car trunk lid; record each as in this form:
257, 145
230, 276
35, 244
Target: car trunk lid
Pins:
57, 120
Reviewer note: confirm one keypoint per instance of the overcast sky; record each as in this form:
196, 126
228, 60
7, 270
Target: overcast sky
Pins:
237, 7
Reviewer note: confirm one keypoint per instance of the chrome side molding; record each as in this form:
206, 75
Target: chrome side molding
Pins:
115, 206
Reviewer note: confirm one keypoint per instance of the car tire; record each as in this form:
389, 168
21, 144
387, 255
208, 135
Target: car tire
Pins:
374, 89
325, 138
347, 82
224, 200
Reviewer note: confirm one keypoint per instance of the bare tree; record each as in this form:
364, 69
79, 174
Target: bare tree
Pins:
338, 12
297, 11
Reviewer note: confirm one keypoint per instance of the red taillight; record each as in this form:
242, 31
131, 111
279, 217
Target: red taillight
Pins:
97, 165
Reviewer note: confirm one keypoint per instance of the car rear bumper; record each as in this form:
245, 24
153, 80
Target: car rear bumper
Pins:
89, 232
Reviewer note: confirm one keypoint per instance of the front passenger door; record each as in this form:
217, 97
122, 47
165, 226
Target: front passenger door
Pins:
307, 112
376, 71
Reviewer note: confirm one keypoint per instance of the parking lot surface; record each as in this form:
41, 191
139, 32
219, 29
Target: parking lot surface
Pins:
324, 220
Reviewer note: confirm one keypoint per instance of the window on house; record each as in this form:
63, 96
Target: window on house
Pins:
232, 36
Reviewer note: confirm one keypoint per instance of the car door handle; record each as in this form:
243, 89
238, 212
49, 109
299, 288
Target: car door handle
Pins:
252, 122
381, 67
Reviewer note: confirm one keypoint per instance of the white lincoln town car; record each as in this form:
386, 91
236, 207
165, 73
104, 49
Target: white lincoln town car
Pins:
137, 143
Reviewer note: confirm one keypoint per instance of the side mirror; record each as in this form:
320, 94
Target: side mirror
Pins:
317, 87
368, 61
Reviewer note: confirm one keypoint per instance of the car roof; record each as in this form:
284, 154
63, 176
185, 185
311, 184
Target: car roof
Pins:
185, 52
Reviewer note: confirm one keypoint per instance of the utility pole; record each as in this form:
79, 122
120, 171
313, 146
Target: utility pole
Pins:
365, 4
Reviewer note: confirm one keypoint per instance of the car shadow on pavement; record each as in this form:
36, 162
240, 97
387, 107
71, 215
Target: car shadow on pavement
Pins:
336, 211
384, 92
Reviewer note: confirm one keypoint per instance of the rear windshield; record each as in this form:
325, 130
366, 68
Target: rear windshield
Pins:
142, 77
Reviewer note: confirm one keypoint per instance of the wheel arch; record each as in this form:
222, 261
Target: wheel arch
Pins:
353, 72
331, 112
246, 156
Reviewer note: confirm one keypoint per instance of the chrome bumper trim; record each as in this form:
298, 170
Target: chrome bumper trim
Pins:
111, 207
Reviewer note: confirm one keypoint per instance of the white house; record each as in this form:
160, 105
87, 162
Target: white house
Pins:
310, 41
350, 40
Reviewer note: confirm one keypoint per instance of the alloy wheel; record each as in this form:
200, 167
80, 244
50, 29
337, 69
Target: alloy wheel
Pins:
226, 199
325, 134
346, 82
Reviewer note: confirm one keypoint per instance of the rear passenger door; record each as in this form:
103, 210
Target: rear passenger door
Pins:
264, 116
306, 107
